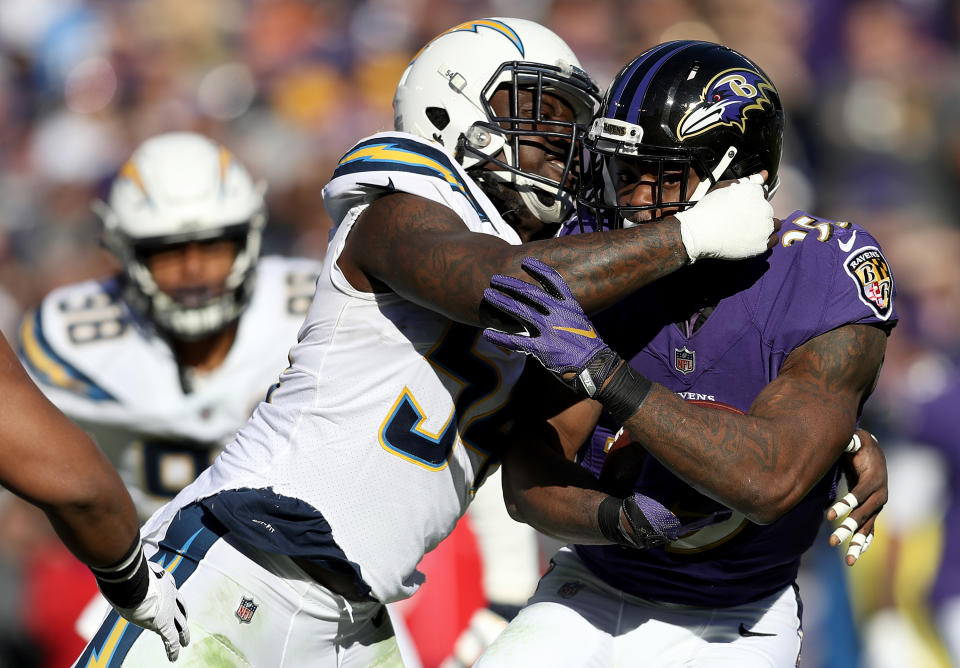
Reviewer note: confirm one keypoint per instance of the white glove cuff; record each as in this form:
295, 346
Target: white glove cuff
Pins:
687, 235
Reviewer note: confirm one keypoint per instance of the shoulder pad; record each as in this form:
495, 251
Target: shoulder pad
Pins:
50, 368
401, 155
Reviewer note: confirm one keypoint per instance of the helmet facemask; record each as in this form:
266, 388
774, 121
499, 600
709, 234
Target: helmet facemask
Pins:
192, 315
497, 143
177, 189
617, 158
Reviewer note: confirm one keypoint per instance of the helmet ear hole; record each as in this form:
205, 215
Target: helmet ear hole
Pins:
438, 116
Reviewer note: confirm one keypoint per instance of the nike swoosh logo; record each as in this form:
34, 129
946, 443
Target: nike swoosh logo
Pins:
589, 333
746, 633
388, 186
845, 247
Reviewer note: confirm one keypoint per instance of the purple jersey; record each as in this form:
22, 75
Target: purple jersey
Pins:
822, 274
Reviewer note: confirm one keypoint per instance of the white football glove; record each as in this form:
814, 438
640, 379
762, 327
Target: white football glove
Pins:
729, 223
161, 611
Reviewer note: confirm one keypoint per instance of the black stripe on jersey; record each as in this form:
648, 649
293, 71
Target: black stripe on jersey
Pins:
284, 525
406, 155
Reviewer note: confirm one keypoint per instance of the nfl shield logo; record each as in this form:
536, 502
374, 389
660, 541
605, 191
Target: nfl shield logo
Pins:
246, 609
684, 360
569, 589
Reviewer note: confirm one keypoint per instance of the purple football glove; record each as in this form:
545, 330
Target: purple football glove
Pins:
557, 331
651, 524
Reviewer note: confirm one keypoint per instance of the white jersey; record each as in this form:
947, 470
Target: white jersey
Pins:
119, 380
371, 447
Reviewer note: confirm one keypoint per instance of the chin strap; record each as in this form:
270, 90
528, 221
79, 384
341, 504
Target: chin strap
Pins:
715, 175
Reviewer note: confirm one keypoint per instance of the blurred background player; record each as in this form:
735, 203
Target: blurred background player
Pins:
384, 424
84, 499
163, 362
743, 384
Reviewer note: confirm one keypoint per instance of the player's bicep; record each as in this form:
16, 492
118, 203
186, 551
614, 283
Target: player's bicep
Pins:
423, 251
815, 399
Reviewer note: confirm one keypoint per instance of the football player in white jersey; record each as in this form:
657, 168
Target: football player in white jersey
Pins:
163, 363
387, 419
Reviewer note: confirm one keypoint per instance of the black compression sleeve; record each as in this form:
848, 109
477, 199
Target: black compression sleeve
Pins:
125, 583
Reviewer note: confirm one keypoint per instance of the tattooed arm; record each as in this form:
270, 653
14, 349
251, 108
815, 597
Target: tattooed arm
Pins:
763, 463
760, 464
423, 251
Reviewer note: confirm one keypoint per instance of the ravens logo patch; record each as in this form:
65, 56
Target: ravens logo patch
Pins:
871, 274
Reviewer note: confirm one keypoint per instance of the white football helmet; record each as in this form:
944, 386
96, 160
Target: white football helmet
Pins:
175, 188
444, 95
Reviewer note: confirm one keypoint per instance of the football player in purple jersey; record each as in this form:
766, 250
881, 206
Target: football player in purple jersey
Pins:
726, 412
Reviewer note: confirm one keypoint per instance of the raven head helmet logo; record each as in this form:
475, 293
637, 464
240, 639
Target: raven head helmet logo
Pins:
725, 102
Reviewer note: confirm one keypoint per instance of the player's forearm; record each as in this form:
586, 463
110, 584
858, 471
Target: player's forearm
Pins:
763, 463
52, 463
565, 513
422, 251
544, 488
98, 531
604, 267
86, 500
757, 466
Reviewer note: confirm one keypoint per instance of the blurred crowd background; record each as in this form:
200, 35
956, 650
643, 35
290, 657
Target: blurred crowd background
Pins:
871, 90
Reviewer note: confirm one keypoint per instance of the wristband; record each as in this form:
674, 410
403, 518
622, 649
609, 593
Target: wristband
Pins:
125, 582
625, 393
608, 517
595, 374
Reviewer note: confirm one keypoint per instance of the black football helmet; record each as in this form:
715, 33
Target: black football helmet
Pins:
680, 106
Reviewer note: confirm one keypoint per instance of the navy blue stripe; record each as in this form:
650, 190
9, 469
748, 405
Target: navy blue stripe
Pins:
637, 89
407, 144
281, 524
413, 146
84, 384
129, 636
189, 537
